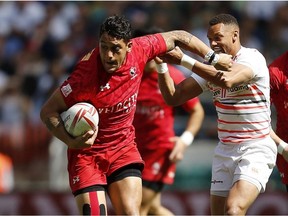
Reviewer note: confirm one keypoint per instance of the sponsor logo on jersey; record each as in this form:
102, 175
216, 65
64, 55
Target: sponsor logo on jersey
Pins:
66, 90
216, 182
133, 72
239, 88
106, 86
124, 106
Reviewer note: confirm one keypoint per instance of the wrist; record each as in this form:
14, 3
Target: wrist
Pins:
212, 58
187, 62
187, 138
162, 68
215, 59
281, 146
209, 56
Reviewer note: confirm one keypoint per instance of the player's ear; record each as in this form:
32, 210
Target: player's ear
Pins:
129, 46
235, 35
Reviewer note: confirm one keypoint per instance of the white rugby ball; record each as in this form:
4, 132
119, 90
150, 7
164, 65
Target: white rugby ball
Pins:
80, 118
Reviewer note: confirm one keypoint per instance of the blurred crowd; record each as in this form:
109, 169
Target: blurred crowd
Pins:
40, 42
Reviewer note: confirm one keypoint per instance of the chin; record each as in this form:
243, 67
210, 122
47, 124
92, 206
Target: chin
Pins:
110, 69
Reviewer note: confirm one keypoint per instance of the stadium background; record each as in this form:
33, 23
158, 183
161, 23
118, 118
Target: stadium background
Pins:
39, 44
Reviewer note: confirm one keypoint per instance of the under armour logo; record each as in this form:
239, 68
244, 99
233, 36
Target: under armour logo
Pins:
107, 86
76, 179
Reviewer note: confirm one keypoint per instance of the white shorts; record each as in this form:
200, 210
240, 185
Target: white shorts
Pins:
251, 162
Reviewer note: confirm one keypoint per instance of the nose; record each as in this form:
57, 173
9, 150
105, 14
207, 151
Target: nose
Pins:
109, 54
213, 43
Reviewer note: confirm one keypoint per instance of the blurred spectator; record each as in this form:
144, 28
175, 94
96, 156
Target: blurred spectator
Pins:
6, 174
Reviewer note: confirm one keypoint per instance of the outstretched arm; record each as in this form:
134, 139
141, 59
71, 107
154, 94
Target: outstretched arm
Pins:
193, 44
235, 75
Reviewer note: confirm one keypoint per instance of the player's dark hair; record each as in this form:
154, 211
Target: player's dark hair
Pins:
118, 27
226, 19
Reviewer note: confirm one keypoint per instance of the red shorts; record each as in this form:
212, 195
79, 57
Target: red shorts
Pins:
158, 167
282, 166
93, 166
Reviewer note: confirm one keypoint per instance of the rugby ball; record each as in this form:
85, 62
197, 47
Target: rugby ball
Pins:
80, 118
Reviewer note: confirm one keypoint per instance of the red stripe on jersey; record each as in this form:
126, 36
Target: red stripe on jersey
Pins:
229, 122
237, 140
242, 131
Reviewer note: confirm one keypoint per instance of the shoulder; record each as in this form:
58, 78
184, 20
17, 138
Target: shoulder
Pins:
250, 53
252, 58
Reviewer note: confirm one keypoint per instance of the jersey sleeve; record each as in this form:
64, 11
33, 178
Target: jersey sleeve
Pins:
150, 45
81, 82
178, 77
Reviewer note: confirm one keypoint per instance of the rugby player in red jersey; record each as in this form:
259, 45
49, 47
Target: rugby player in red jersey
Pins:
109, 77
155, 136
278, 71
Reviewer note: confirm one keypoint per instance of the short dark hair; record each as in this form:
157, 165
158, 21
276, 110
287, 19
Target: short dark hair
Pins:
118, 27
226, 19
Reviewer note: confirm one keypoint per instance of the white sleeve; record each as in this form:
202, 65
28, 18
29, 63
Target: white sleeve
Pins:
202, 82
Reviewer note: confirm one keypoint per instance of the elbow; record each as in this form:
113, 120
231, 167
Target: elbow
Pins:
171, 103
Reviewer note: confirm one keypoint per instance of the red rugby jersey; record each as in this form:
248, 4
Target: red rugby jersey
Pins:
114, 95
278, 70
154, 119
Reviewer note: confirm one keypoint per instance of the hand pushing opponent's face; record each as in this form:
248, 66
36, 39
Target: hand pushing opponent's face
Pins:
113, 52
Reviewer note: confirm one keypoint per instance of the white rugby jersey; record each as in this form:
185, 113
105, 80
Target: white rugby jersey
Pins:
243, 111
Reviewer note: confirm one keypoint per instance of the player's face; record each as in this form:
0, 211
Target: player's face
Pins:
221, 38
113, 52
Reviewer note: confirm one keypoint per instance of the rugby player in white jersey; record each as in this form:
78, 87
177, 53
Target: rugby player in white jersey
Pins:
245, 155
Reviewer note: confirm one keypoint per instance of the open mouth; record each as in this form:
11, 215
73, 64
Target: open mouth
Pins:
218, 50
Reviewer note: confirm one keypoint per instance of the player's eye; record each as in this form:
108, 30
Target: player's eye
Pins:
116, 49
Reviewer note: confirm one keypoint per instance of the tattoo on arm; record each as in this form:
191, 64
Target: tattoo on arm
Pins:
179, 38
53, 122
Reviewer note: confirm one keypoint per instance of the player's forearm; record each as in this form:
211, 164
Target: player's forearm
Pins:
167, 88
235, 76
55, 125
186, 41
